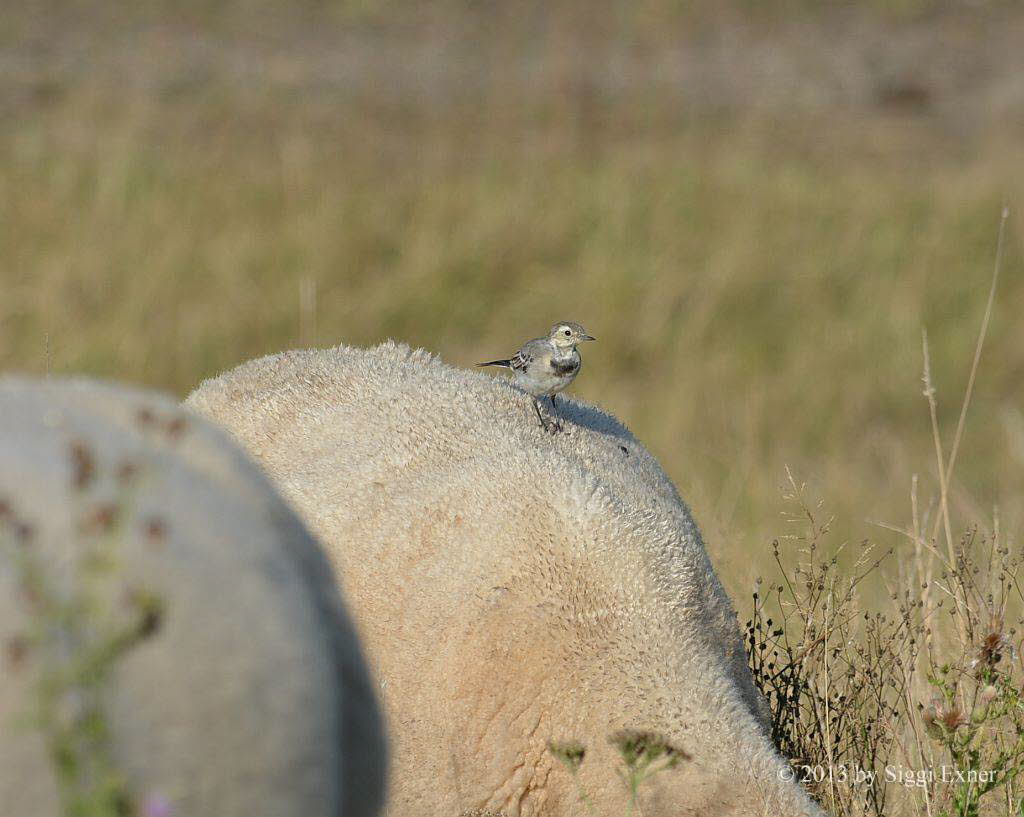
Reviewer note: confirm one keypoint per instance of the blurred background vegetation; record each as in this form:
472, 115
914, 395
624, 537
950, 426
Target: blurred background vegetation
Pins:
755, 206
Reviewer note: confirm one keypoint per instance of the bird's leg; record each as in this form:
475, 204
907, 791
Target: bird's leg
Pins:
536, 408
552, 426
554, 414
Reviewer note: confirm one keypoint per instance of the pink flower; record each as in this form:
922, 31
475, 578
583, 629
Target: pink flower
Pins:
157, 806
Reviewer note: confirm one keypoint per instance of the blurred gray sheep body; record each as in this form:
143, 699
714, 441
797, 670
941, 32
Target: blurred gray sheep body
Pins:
512, 587
250, 697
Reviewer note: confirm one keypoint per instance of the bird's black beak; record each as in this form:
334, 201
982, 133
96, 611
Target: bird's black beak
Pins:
588, 337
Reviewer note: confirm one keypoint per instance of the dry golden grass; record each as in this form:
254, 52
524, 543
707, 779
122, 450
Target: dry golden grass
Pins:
758, 281
905, 701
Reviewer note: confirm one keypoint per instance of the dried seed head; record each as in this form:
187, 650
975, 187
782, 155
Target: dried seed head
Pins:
30, 594
176, 428
83, 465
100, 519
952, 719
571, 753
993, 647
155, 529
126, 472
150, 608
635, 745
24, 533
16, 650
942, 719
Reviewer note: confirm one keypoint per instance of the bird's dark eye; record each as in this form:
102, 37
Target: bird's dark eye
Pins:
567, 333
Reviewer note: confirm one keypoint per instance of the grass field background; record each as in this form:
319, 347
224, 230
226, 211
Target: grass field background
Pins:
755, 208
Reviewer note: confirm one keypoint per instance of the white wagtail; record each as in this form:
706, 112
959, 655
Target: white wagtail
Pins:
544, 366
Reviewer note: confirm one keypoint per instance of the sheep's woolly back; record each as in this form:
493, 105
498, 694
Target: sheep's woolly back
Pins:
250, 697
513, 586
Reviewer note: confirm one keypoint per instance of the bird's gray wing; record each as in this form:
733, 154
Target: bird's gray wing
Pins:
528, 353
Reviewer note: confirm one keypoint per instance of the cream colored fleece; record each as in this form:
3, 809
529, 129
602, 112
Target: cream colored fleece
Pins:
511, 586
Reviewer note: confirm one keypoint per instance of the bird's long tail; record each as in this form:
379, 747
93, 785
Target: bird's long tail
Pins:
506, 363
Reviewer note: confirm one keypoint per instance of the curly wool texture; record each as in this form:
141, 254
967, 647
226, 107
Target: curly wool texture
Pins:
250, 698
513, 587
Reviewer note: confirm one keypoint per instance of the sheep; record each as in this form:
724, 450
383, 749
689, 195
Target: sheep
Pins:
516, 591
173, 639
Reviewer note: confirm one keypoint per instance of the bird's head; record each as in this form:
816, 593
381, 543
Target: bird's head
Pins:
567, 334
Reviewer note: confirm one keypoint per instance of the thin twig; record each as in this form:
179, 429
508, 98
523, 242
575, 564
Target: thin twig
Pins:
977, 359
914, 537
929, 393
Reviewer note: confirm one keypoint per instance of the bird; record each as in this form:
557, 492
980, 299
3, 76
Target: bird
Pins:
544, 366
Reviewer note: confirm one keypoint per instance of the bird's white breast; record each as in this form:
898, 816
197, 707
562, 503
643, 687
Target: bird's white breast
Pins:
549, 374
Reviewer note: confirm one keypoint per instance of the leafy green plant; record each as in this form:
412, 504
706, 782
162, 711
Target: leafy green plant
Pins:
79, 627
902, 689
644, 754
977, 712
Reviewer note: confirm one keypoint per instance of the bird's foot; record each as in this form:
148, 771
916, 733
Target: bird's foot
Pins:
556, 420
552, 424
